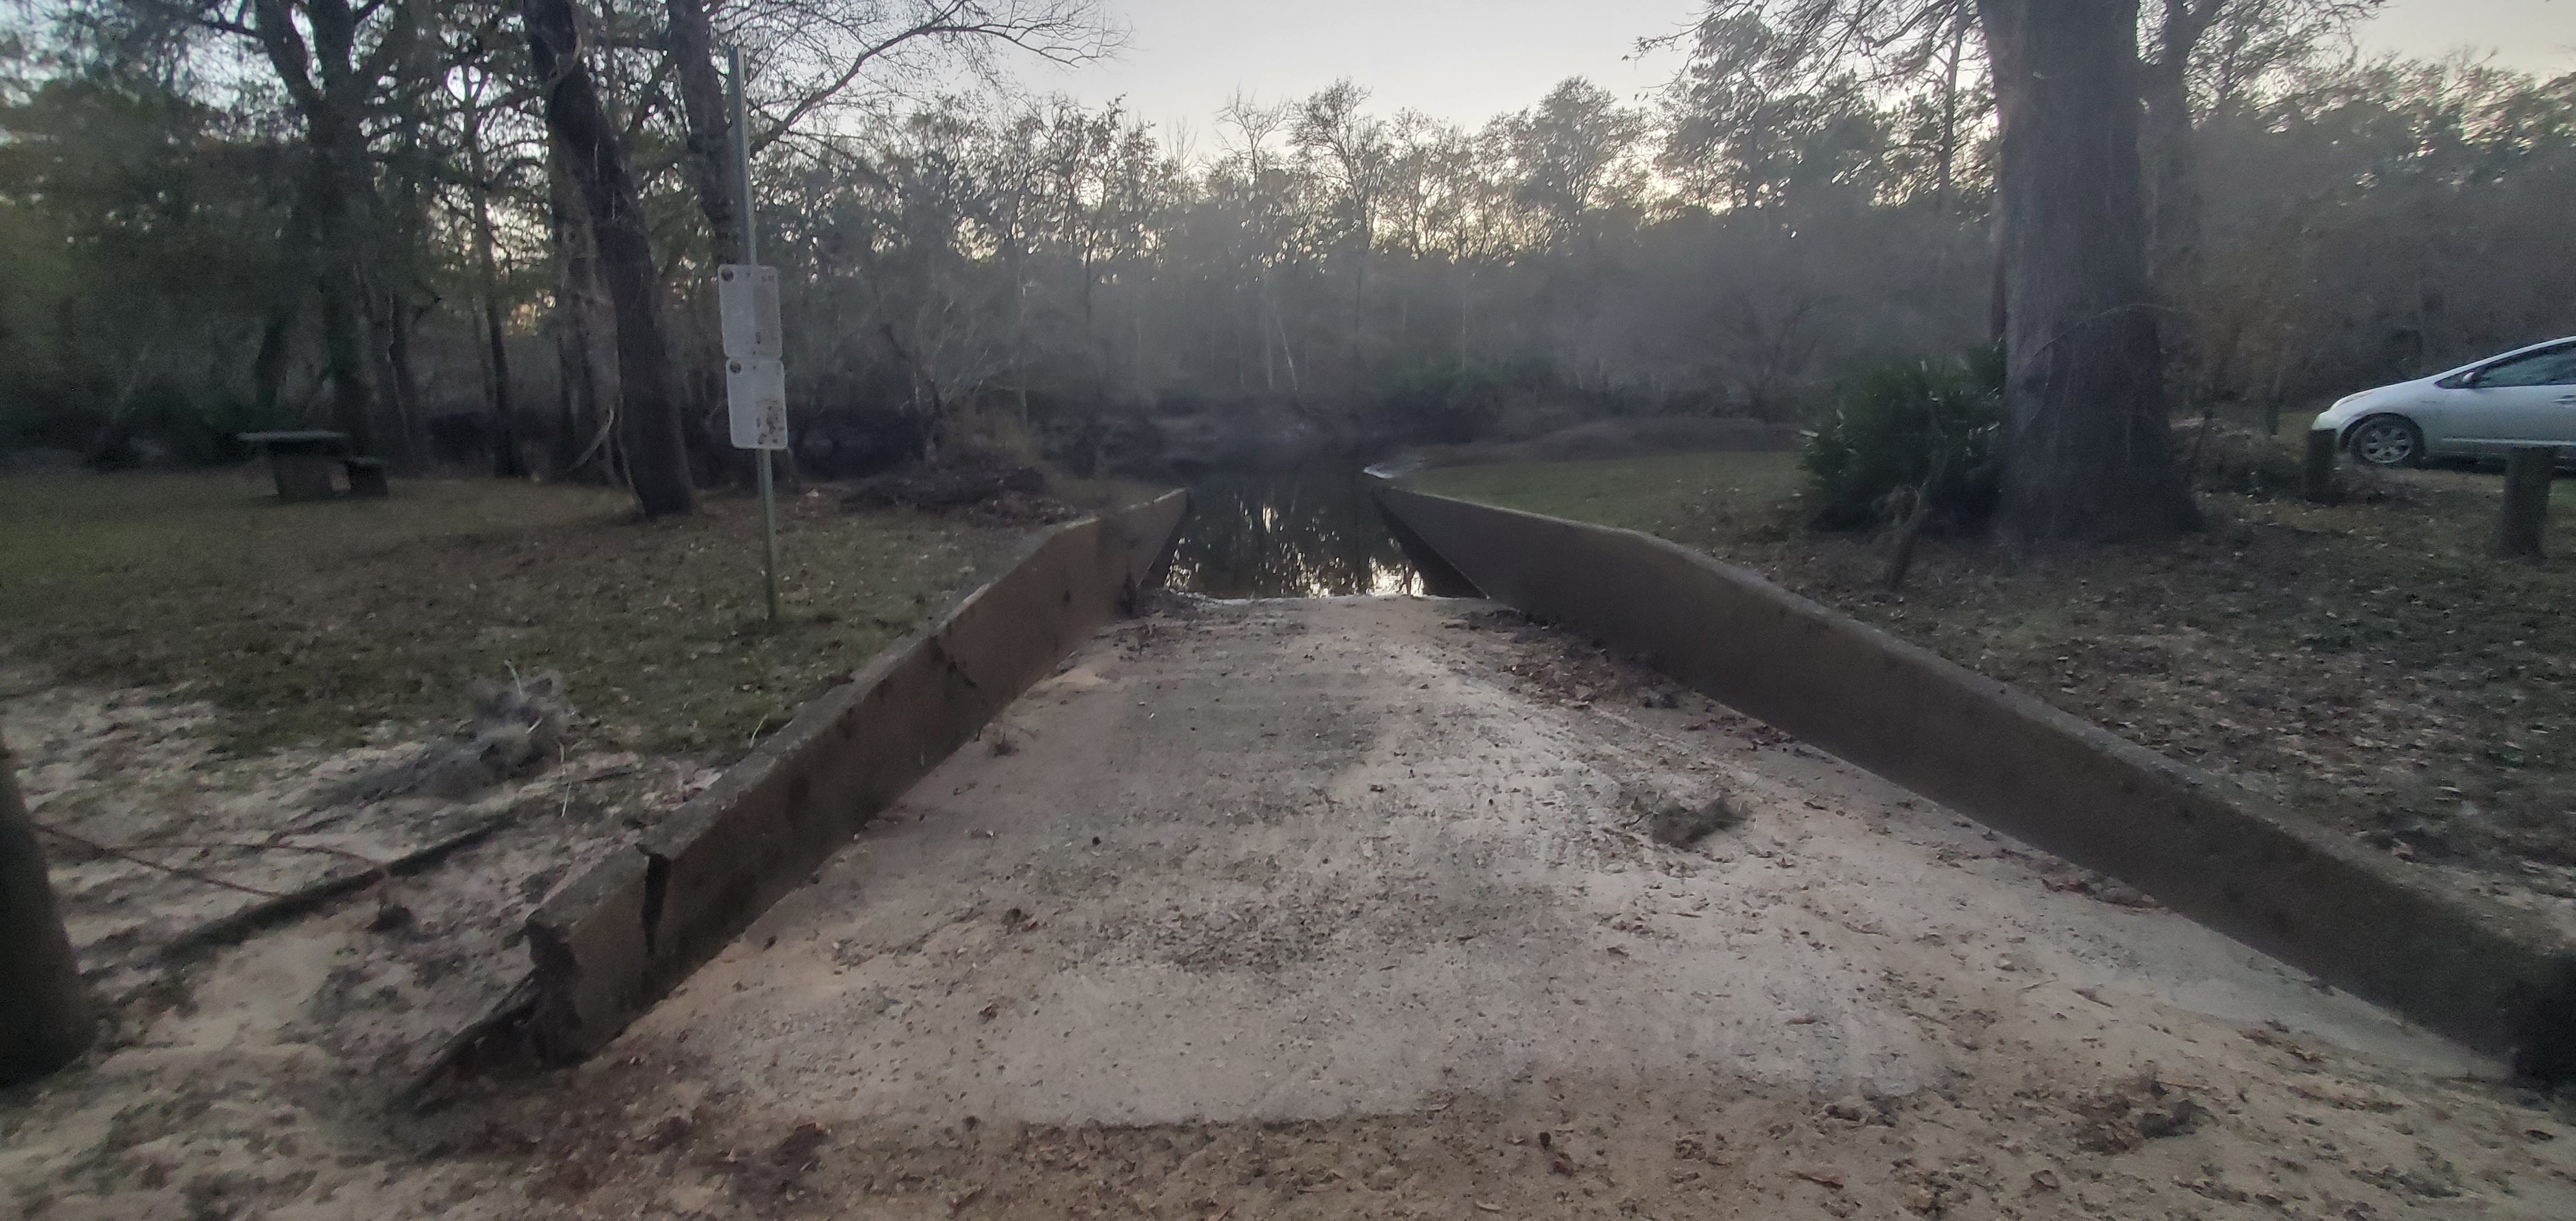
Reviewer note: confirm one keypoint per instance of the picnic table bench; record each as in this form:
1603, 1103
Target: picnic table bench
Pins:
302, 463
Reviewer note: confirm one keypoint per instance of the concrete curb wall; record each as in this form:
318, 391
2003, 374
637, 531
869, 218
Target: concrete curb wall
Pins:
2497, 979
617, 938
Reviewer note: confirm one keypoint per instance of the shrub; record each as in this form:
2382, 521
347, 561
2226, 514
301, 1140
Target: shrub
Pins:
1890, 429
1443, 406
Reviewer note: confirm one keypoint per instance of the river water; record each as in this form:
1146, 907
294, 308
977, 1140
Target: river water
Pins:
1306, 532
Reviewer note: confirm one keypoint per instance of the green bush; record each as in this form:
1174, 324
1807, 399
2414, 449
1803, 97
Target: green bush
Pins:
1890, 428
1443, 406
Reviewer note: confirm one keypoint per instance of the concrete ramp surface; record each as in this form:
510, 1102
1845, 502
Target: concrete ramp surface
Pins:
1376, 874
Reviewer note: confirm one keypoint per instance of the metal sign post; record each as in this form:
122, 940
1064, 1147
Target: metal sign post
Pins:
755, 376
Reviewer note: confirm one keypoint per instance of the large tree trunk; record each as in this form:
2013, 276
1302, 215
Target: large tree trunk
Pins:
657, 464
338, 186
45, 1019
344, 344
268, 368
708, 151
2089, 454
585, 333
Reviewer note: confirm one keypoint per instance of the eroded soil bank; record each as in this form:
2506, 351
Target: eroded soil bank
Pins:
1348, 908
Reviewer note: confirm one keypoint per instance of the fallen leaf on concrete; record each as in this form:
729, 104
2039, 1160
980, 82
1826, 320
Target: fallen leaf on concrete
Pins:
2214, 1190
667, 1133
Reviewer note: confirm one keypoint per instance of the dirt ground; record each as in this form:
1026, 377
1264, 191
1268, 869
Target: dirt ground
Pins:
2366, 663
1348, 908
232, 718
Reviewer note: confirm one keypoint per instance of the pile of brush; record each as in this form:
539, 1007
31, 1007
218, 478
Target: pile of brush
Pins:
514, 728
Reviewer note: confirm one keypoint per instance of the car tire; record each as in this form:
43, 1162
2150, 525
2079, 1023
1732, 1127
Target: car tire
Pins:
2388, 440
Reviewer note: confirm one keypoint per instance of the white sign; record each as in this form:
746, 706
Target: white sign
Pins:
747, 301
756, 402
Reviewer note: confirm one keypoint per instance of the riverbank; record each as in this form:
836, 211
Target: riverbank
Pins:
2365, 663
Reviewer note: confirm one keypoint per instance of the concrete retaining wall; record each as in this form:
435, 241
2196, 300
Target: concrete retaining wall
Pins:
623, 934
2494, 978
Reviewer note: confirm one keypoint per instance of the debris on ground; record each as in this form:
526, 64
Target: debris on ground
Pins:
2100, 886
515, 727
953, 482
1679, 823
2132, 1113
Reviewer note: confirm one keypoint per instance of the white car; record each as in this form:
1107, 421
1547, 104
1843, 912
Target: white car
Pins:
2525, 397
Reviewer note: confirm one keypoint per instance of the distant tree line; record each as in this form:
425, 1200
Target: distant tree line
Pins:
389, 216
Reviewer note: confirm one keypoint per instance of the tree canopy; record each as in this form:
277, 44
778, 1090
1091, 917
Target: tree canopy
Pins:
211, 230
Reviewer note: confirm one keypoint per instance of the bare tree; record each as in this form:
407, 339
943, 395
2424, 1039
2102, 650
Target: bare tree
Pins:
822, 55
338, 64
657, 463
1576, 153
1354, 149
2221, 46
819, 54
586, 382
479, 189
707, 153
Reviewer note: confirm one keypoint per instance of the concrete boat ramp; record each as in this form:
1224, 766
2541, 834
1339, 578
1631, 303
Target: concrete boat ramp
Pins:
1348, 907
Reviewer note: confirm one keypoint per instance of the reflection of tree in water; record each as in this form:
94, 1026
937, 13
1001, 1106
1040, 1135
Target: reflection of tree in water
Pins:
1310, 532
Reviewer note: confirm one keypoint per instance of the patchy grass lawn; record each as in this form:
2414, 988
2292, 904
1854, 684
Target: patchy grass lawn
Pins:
2366, 663
312, 622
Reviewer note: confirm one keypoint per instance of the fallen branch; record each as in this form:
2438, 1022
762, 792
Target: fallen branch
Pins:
1900, 558
296, 902
127, 855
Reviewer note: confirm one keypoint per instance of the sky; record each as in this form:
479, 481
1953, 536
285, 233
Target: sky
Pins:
1467, 60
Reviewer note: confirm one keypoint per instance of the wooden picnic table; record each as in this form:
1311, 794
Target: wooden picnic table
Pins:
301, 460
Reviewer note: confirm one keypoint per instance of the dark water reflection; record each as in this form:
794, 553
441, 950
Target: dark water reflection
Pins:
1313, 531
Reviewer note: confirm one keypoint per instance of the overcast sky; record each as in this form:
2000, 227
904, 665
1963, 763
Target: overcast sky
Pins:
1466, 60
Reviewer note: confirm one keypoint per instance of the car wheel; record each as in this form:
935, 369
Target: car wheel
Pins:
2388, 440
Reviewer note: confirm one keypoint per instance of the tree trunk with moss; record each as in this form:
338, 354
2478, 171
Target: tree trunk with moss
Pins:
2089, 452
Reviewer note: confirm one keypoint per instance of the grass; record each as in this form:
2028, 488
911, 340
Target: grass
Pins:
314, 622
2367, 662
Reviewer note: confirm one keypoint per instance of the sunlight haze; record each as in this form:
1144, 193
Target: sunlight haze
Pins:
1467, 61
